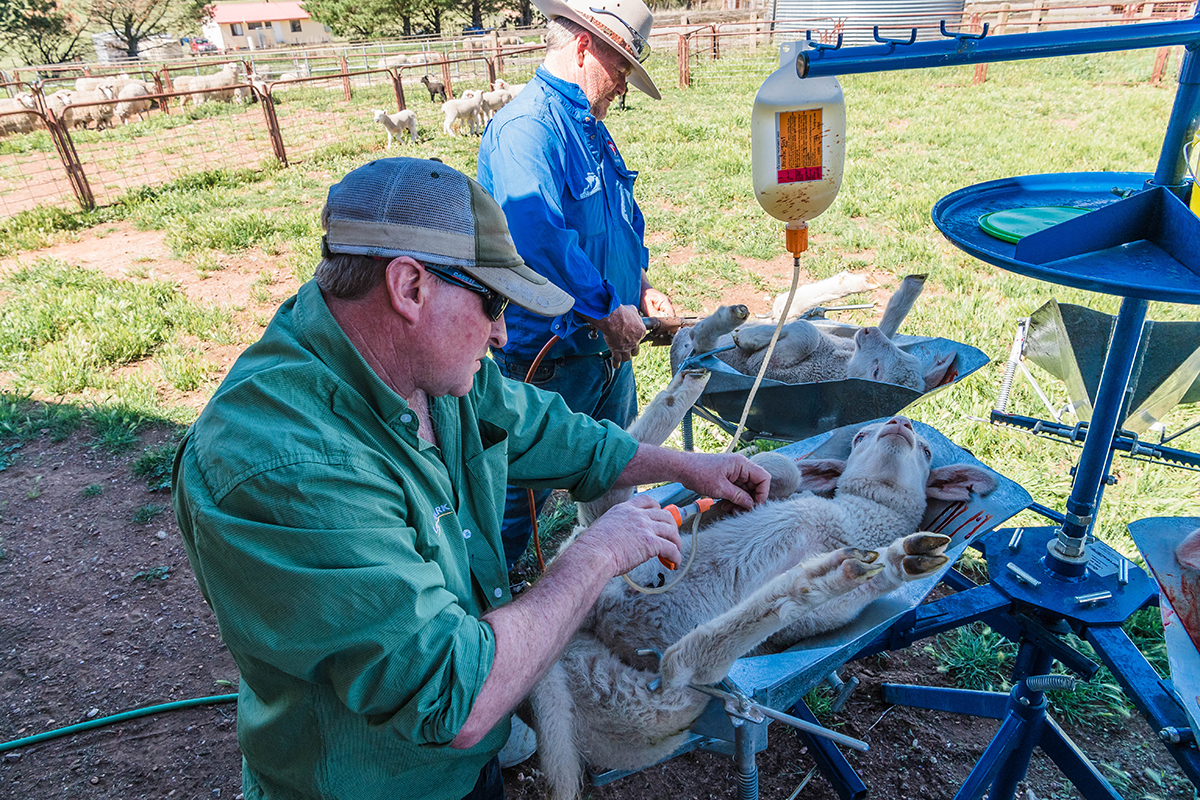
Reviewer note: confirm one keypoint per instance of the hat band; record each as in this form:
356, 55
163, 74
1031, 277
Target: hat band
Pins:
611, 35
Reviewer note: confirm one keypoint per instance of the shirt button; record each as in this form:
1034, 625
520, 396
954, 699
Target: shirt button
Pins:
499, 593
407, 418
466, 534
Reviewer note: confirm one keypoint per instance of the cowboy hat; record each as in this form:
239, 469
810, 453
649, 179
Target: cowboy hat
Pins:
622, 24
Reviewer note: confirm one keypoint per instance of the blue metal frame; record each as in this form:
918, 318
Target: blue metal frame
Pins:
1051, 581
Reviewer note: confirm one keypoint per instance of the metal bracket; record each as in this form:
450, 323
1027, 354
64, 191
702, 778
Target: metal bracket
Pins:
742, 709
961, 35
912, 39
821, 45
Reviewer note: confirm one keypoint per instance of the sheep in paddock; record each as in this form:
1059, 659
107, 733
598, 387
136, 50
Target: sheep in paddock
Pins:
397, 60
783, 571
132, 103
396, 124
806, 354
513, 41
436, 88
465, 109
493, 101
512, 88
216, 86
15, 119
73, 116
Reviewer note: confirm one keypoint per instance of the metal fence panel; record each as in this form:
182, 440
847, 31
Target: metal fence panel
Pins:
31, 172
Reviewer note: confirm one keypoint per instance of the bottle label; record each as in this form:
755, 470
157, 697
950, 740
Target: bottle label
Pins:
798, 145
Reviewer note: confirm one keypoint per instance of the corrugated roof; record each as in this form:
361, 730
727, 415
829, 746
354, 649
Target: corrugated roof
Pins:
258, 12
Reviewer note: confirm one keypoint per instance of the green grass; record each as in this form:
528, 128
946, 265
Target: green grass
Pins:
92, 490
144, 514
154, 464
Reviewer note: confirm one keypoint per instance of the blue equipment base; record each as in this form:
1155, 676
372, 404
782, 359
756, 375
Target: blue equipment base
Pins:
1145, 246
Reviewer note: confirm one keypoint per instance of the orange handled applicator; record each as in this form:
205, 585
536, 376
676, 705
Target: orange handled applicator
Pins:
681, 514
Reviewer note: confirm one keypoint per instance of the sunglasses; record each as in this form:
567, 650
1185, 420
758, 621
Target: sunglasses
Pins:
641, 48
494, 303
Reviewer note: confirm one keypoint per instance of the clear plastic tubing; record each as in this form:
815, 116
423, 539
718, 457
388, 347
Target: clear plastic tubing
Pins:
797, 141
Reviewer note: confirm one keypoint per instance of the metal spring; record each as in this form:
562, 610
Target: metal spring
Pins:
1050, 683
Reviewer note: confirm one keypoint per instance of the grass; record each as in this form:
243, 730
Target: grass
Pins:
144, 514
92, 490
154, 464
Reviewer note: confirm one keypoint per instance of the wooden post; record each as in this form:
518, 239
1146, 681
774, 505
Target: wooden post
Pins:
1160, 65
446, 78
398, 86
491, 71
685, 75
268, 107
345, 76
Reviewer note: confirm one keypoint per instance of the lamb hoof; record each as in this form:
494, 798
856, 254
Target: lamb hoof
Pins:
917, 566
859, 571
925, 543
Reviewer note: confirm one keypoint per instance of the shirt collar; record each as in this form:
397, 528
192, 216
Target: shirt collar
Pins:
572, 93
316, 325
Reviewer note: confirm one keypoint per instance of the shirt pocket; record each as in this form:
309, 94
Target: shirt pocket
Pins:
583, 203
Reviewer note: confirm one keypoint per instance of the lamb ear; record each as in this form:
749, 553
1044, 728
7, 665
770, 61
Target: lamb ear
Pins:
1188, 551
819, 474
958, 481
941, 371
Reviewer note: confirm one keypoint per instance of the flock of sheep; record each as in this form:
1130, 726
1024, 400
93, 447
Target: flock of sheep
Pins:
472, 110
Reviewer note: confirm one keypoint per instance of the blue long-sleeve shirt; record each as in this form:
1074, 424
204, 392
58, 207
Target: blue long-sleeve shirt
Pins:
568, 196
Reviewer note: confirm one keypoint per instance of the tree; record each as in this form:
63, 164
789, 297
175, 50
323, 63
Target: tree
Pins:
133, 21
375, 18
41, 31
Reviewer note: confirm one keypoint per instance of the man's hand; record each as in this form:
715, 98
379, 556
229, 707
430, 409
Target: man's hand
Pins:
623, 330
726, 475
657, 304
633, 532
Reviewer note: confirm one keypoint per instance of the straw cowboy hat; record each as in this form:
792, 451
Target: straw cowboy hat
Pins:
623, 24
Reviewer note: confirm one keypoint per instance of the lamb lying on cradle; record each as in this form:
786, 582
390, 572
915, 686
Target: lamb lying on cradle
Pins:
808, 354
1187, 605
783, 571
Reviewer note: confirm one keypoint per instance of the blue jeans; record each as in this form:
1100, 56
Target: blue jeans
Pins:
490, 785
589, 385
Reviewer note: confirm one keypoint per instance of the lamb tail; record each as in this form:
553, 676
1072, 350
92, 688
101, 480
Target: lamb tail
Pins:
554, 722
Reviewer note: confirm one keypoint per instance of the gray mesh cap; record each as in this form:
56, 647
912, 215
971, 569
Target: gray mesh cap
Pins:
434, 214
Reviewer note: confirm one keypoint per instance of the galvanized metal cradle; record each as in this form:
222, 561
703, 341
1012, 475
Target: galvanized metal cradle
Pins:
1140, 243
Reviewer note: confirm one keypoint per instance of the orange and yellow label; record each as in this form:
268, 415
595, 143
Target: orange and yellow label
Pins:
799, 145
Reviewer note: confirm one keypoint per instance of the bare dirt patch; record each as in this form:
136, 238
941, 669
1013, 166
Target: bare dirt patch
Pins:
99, 614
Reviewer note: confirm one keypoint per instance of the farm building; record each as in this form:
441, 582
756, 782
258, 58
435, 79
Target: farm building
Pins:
259, 26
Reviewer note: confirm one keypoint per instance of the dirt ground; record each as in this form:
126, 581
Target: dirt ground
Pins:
99, 614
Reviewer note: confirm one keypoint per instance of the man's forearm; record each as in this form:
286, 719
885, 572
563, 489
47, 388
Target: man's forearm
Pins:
531, 633
652, 464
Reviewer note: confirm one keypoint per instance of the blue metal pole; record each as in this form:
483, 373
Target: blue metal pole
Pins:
1090, 473
1185, 117
955, 50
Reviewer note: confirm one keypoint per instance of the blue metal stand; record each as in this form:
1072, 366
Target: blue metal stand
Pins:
1138, 241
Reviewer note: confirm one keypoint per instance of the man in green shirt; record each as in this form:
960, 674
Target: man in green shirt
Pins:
340, 500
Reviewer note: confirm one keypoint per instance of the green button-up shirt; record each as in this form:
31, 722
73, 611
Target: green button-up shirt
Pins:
348, 561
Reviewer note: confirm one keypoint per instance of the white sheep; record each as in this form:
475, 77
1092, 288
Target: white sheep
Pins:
493, 101
16, 118
805, 353
133, 102
467, 108
781, 572
512, 88
73, 116
397, 60
396, 124
216, 86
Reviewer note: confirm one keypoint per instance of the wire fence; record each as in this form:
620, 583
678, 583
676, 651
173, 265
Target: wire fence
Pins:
63, 144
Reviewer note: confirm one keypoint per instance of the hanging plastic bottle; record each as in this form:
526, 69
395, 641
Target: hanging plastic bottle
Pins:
797, 141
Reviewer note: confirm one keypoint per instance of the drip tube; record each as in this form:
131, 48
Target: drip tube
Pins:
124, 715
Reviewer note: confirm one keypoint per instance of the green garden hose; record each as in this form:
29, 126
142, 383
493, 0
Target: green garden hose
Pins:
124, 715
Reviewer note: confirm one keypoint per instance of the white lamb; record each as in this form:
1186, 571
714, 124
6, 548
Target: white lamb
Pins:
805, 353
132, 103
493, 101
465, 109
781, 572
217, 86
396, 124
512, 88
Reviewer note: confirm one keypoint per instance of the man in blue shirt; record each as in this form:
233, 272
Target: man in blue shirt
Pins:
551, 164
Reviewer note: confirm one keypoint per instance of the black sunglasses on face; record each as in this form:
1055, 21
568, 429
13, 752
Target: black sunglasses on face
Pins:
641, 48
494, 303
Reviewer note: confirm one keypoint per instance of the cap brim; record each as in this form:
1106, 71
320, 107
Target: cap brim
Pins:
526, 288
638, 79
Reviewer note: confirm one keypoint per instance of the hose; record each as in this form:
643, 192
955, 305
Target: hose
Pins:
121, 717
533, 522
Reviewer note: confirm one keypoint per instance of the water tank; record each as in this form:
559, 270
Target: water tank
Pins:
895, 18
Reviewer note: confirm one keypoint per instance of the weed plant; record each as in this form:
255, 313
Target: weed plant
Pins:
144, 514
154, 464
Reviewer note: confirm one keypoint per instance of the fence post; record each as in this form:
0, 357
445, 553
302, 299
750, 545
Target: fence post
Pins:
491, 71
975, 26
345, 76
70, 160
446, 77
685, 75
398, 86
716, 45
1160, 65
268, 106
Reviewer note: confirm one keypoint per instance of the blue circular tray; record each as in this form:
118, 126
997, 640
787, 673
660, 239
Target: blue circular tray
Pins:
1148, 268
